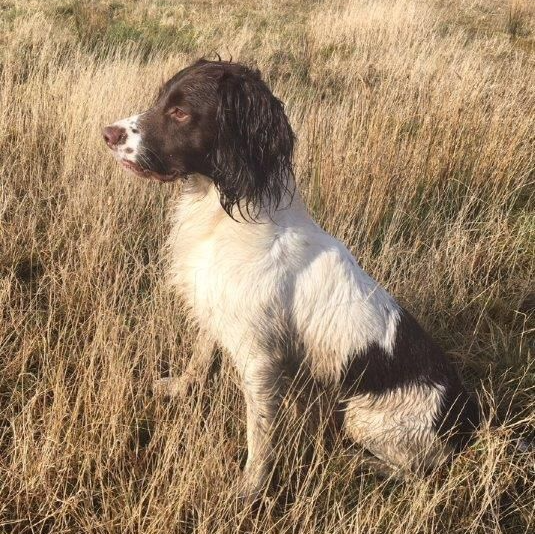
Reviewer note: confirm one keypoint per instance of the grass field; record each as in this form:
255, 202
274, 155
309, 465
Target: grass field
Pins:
416, 147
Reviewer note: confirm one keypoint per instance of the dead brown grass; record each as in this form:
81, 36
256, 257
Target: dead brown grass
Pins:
416, 124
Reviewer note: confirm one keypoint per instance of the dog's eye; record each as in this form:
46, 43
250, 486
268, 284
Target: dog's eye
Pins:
179, 114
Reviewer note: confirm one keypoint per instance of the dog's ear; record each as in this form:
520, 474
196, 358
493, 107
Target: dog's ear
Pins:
252, 156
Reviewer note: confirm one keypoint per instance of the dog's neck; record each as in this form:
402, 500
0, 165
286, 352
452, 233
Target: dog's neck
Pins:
200, 190
203, 234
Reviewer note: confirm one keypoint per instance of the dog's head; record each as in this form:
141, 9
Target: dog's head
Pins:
218, 119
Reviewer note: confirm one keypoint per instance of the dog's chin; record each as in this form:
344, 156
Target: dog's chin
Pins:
138, 170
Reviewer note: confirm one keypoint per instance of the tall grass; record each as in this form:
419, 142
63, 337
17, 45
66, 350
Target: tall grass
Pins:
416, 124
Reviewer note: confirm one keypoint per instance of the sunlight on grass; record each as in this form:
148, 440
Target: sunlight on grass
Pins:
415, 126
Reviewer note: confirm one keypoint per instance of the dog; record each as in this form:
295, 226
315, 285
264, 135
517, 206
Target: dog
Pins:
281, 296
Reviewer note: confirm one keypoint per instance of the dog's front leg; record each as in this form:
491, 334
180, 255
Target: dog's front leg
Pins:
263, 389
195, 374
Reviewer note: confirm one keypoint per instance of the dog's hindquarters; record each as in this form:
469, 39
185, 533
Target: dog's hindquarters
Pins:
398, 427
408, 407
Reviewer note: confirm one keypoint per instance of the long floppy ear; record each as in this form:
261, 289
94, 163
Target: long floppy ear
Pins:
252, 156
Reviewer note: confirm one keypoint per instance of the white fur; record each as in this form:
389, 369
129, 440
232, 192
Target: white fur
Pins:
398, 426
237, 276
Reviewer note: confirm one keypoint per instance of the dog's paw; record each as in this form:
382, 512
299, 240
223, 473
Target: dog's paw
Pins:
251, 491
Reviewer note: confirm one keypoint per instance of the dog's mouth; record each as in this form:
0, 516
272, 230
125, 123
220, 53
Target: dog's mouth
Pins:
138, 170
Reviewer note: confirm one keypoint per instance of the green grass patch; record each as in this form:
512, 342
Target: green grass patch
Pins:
101, 28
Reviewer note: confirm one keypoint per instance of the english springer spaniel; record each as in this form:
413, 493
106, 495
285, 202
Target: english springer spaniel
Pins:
286, 300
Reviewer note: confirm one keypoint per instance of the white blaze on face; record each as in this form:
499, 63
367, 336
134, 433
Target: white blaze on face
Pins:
129, 149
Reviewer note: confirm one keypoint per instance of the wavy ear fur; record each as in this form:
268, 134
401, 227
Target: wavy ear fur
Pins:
252, 156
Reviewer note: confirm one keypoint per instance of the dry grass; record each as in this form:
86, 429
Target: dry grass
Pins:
416, 126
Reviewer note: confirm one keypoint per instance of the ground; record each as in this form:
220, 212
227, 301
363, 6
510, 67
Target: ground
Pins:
416, 147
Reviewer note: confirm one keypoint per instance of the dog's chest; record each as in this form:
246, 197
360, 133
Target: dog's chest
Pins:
221, 271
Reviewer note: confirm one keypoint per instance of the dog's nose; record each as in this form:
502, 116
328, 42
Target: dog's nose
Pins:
114, 135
